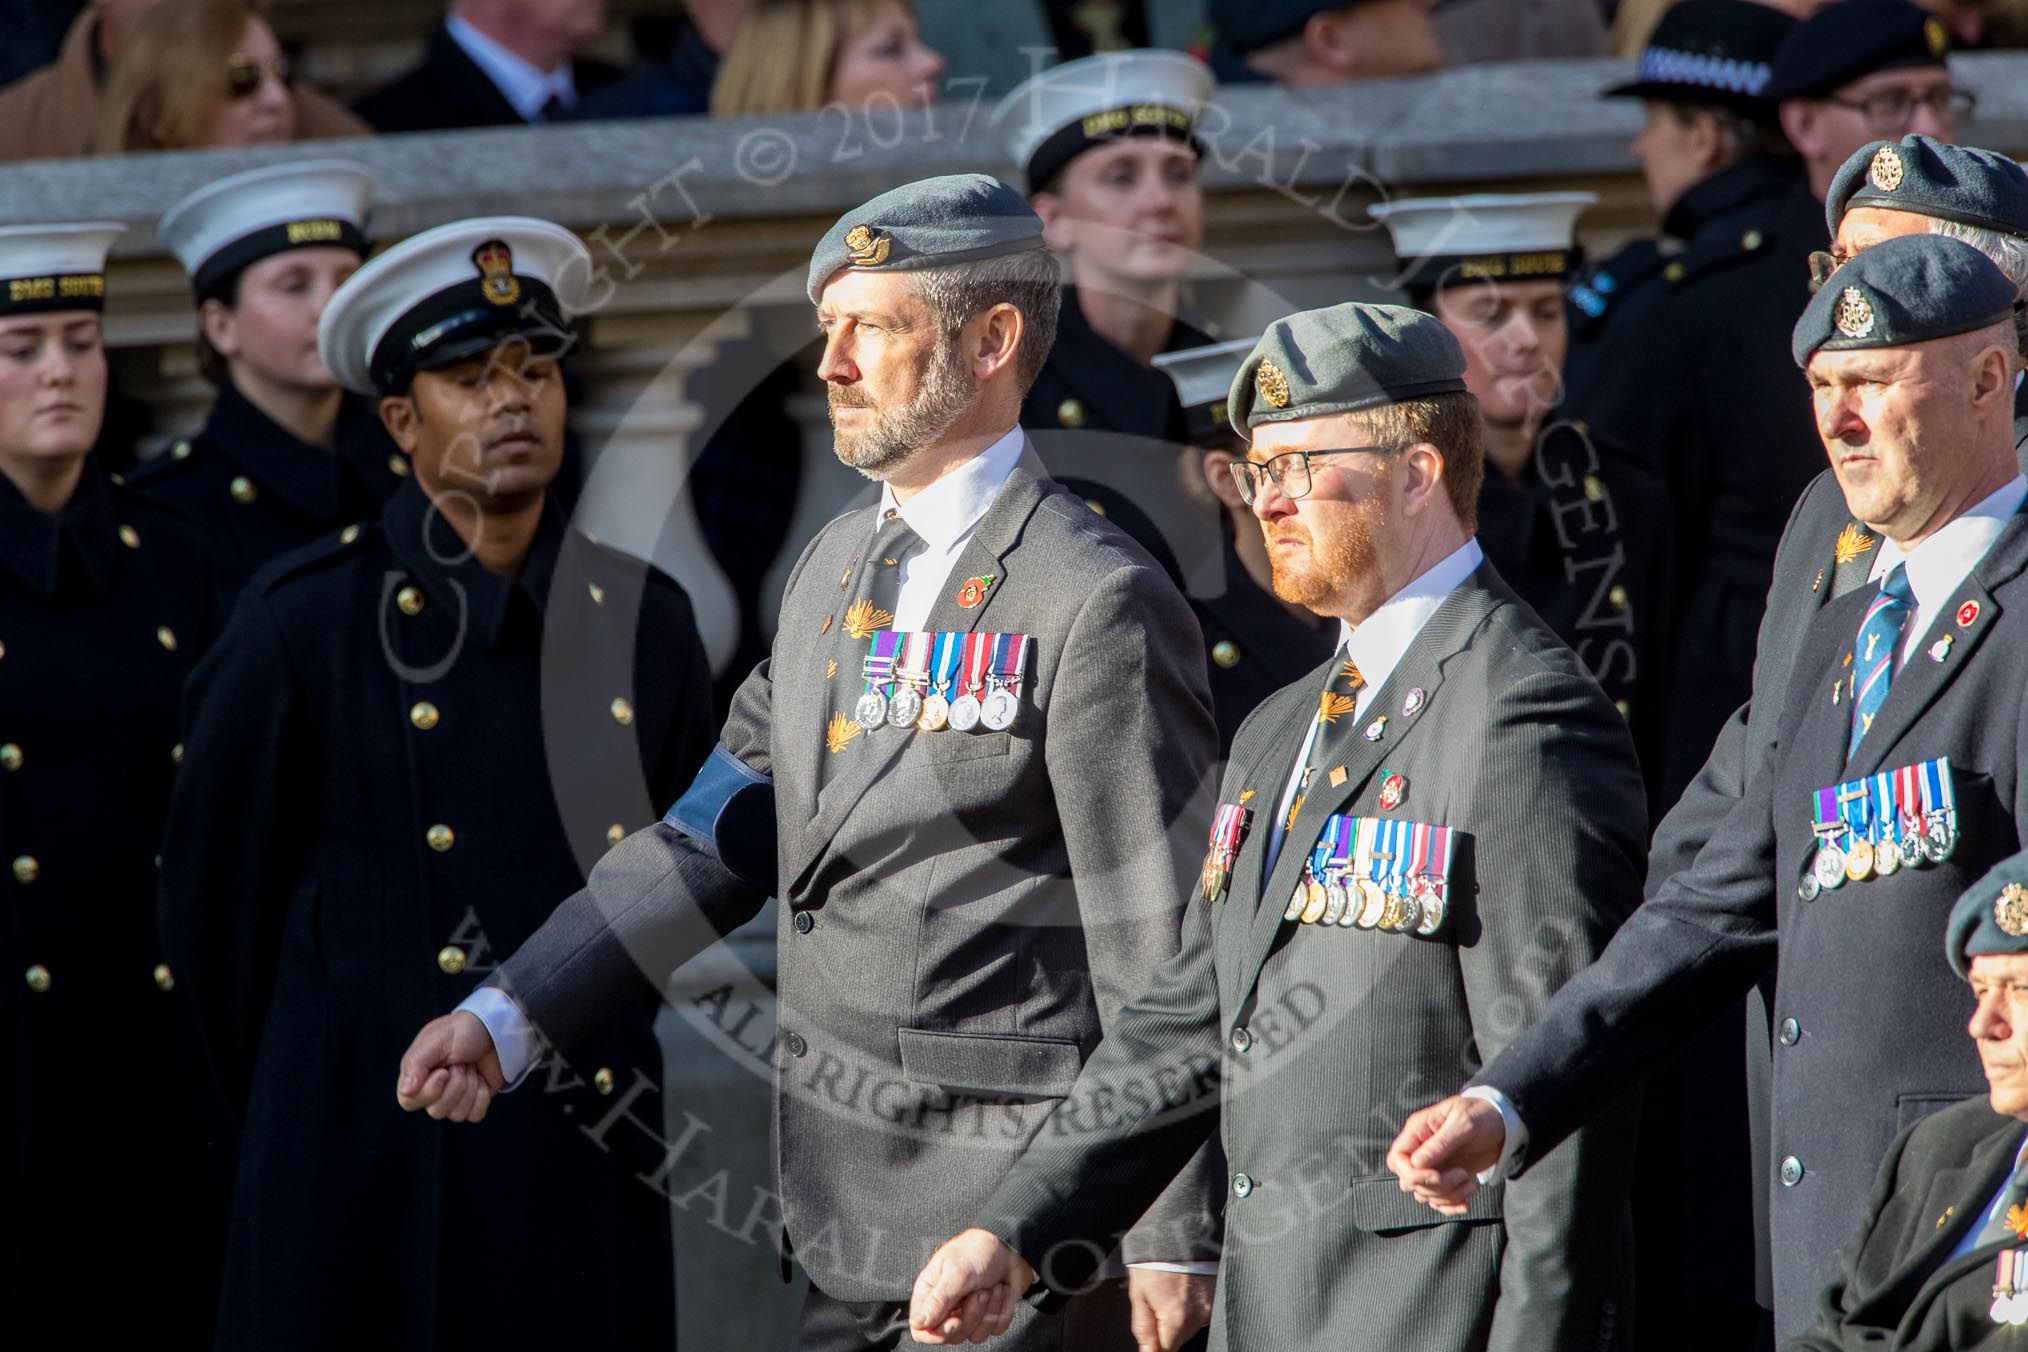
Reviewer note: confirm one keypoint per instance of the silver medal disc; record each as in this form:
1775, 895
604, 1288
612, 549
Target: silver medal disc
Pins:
1334, 902
1911, 849
1430, 897
965, 712
871, 711
904, 708
1830, 866
1886, 858
1001, 706
1938, 840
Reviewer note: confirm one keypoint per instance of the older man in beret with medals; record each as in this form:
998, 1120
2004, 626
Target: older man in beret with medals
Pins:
1890, 780
962, 770
1941, 1260
1412, 848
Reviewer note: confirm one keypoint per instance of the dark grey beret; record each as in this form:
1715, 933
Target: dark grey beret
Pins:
1991, 916
926, 224
1903, 291
1343, 359
1921, 174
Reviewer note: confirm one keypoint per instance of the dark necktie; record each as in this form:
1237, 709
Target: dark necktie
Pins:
553, 109
870, 610
1337, 704
2007, 1220
1879, 644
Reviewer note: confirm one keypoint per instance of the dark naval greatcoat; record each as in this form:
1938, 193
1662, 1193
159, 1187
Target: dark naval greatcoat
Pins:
112, 1162
398, 761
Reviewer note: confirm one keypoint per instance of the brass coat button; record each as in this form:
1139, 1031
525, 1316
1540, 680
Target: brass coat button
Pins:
1626, 709
130, 537
423, 715
598, 593
1618, 596
602, 1080
26, 868
410, 600
349, 534
623, 712
180, 451
1226, 653
176, 754
1674, 272
1095, 505
38, 978
1070, 413
10, 756
451, 959
1593, 488
242, 489
165, 980
166, 636
440, 837
615, 834
397, 465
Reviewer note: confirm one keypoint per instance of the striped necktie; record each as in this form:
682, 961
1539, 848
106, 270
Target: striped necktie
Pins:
1873, 656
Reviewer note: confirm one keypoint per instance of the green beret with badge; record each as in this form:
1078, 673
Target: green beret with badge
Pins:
1343, 359
1921, 174
1991, 917
1902, 291
931, 223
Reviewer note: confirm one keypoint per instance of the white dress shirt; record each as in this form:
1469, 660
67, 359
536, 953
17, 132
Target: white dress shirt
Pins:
525, 88
945, 515
1376, 647
1936, 569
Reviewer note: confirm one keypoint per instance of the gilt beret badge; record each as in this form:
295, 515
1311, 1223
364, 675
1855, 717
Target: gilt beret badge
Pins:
1272, 385
865, 248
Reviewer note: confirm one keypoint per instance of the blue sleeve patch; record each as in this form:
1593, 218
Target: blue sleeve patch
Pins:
729, 811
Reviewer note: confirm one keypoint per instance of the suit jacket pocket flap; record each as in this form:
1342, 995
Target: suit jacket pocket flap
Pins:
948, 748
978, 1063
1379, 1205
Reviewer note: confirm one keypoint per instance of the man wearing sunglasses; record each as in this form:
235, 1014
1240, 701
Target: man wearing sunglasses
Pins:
1414, 846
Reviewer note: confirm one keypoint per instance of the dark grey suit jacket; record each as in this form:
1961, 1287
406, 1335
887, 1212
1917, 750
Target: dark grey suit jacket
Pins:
962, 912
1329, 1035
1857, 1060
1899, 1289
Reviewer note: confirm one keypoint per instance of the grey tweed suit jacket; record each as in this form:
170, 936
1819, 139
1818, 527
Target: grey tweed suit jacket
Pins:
961, 912
1329, 1036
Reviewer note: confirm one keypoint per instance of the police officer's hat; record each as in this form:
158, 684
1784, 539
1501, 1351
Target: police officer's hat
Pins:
1715, 52
1050, 119
223, 227
1203, 378
1852, 39
450, 294
45, 268
1486, 237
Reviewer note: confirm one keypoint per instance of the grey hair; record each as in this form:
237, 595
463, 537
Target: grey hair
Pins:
1029, 281
2009, 254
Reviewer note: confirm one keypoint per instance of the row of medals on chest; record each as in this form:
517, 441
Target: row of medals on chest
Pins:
989, 701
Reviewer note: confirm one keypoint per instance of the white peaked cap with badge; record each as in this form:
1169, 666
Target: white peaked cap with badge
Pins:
1486, 236
224, 226
450, 294
1202, 375
55, 267
1050, 119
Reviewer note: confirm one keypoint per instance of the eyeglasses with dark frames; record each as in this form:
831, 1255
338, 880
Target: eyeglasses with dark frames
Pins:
1290, 470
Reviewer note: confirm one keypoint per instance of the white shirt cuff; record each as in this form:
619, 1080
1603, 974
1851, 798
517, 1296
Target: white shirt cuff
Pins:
1515, 1138
1189, 1269
515, 1039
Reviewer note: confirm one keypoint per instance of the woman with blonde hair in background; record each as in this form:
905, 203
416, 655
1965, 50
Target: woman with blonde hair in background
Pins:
199, 73
796, 56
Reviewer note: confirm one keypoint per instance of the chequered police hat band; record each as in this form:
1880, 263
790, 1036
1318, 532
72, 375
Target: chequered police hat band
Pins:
1666, 65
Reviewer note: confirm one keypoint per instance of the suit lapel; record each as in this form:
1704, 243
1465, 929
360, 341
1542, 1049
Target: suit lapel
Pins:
1923, 677
984, 554
1420, 667
1966, 1192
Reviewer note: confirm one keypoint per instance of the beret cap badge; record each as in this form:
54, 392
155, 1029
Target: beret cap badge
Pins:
2010, 911
1272, 384
866, 249
1886, 171
495, 262
1933, 33
1854, 316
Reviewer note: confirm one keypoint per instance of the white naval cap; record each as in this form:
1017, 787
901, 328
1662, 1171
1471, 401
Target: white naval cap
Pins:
1203, 376
55, 267
1486, 237
1050, 119
224, 226
449, 294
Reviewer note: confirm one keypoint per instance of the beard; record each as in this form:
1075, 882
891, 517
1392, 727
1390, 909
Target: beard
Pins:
1311, 578
946, 391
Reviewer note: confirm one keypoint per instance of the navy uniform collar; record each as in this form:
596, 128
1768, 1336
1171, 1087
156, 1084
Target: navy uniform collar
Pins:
43, 547
324, 483
441, 563
1727, 191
